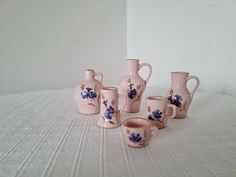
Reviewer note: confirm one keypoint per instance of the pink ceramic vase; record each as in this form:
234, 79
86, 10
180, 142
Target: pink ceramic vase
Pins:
133, 85
87, 94
109, 110
179, 94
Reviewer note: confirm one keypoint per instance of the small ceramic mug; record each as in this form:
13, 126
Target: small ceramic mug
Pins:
137, 131
109, 111
157, 110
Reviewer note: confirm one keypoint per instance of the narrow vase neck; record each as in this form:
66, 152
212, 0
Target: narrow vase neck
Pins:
179, 80
132, 66
89, 74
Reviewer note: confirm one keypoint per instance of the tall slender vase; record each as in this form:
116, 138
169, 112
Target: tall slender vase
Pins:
133, 85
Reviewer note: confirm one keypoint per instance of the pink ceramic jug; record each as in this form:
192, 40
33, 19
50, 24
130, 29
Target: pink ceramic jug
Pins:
87, 94
179, 94
132, 85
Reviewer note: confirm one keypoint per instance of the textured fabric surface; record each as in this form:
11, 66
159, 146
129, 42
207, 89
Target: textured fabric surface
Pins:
42, 134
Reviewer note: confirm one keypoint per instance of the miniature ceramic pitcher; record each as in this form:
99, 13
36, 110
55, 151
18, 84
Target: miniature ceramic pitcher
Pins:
179, 94
132, 85
87, 94
109, 111
156, 110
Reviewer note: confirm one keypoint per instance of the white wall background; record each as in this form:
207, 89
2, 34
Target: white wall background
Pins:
198, 36
47, 44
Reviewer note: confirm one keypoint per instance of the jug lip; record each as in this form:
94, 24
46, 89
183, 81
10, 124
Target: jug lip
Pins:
89, 69
132, 59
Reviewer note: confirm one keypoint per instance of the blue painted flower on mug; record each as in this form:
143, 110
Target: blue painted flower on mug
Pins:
155, 115
88, 93
135, 138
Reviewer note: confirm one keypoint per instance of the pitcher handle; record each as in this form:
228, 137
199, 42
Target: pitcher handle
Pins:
123, 106
197, 83
150, 70
174, 109
99, 74
154, 131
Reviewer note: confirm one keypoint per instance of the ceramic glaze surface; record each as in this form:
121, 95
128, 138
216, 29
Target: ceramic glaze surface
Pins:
137, 132
133, 85
179, 95
156, 110
87, 93
109, 110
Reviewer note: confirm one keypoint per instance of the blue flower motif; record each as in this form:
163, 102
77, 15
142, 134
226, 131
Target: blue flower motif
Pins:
84, 95
109, 112
155, 115
150, 117
105, 102
92, 95
176, 100
135, 138
88, 93
107, 115
130, 86
132, 93
88, 89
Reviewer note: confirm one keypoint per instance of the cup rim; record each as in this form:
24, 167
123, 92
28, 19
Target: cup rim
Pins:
109, 88
148, 123
156, 98
180, 72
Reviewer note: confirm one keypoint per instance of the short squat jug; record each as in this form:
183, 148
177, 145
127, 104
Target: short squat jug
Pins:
87, 93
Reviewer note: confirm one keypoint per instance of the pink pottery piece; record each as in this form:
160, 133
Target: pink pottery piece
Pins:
87, 94
109, 111
137, 131
133, 85
179, 94
156, 110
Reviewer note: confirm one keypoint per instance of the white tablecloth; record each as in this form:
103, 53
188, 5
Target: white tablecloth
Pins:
42, 134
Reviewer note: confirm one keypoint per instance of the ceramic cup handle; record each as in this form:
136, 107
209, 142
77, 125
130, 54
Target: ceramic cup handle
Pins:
197, 83
174, 109
150, 70
123, 106
100, 75
154, 131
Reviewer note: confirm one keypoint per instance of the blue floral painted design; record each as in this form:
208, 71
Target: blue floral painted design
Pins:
175, 99
108, 114
110, 111
133, 92
105, 102
155, 115
88, 93
135, 138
